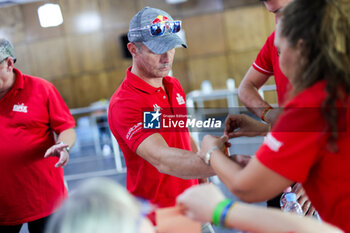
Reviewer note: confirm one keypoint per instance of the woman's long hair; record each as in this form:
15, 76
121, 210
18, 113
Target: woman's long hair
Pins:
323, 26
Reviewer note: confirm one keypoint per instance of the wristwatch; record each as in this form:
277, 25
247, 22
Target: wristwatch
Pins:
67, 148
208, 154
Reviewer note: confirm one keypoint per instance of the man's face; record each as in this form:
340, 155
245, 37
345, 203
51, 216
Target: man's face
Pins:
154, 65
274, 6
4, 77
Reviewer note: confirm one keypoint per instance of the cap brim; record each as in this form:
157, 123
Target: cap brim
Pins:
162, 44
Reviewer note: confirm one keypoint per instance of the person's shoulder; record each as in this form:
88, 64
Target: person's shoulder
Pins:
312, 96
174, 81
125, 96
271, 39
37, 82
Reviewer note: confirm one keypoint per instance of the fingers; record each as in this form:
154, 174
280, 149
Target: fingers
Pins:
62, 162
55, 150
231, 123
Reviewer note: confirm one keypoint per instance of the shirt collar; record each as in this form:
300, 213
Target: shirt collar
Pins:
19, 83
140, 84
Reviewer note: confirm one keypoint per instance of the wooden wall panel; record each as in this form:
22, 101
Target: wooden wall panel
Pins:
117, 13
205, 34
181, 54
180, 71
85, 60
92, 87
86, 52
239, 63
245, 28
24, 61
212, 68
113, 48
66, 88
32, 26
49, 58
12, 26
200, 7
160, 4
115, 78
81, 16
239, 3
270, 97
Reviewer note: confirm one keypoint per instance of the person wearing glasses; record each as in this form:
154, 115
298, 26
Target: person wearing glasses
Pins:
161, 163
309, 143
31, 161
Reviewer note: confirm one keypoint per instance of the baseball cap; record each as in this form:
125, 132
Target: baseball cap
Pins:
6, 50
139, 31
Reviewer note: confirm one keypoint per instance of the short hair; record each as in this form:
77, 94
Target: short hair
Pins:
98, 205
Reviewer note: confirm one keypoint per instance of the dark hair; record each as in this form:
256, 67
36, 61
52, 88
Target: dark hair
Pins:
324, 28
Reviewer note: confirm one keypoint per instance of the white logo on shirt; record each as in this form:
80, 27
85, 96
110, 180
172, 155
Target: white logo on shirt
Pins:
20, 108
133, 130
180, 99
272, 142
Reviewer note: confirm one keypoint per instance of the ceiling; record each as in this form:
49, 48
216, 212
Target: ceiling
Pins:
4, 3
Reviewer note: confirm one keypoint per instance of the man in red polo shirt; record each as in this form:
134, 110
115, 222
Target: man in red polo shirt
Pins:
161, 163
265, 65
31, 160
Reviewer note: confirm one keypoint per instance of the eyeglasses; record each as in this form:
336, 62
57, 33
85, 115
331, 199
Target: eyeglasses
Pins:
159, 29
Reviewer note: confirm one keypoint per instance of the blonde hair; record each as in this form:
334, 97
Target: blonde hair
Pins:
98, 205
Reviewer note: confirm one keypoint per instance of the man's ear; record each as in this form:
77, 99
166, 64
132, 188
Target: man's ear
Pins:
10, 63
132, 48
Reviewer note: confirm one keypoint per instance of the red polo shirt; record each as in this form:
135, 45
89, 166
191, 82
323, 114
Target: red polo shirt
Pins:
267, 63
297, 149
125, 118
30, 185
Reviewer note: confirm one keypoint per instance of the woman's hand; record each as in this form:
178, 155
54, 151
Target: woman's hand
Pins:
199, 202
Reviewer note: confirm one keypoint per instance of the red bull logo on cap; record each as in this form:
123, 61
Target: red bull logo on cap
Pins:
160, 19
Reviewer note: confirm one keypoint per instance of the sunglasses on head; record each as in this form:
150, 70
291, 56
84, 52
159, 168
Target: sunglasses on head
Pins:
160, 28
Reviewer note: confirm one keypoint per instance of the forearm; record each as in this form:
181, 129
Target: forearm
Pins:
227, 170
183, 164
266, 220
251, 98
67, 136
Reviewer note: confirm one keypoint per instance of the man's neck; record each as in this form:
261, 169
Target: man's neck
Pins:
9, 85
153, 81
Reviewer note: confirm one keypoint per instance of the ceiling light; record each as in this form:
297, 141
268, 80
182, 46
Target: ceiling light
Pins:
50, 15
175, 1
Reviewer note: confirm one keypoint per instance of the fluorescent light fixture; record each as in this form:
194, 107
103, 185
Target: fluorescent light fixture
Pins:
175, 1
87, 22
50, 15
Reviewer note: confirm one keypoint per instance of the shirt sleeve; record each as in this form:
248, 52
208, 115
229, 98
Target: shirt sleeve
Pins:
294, 144
263, 62
60, 117
128, 123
